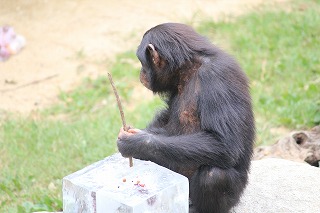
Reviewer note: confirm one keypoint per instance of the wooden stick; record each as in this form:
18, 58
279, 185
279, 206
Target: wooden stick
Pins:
125, 127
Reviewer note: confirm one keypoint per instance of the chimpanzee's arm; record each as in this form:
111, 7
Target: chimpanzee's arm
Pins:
223, 139
197, 149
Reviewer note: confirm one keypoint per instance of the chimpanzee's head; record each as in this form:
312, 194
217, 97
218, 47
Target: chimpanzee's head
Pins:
163, 52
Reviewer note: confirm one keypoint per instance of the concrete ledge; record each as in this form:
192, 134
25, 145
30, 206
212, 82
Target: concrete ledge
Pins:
277, 185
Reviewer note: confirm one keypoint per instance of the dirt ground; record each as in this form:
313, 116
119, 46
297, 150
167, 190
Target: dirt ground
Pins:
68, 40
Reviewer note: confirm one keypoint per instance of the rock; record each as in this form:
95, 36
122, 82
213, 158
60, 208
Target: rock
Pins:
277, 185
299, 146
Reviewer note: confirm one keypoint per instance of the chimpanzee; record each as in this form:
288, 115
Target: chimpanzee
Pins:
206, 132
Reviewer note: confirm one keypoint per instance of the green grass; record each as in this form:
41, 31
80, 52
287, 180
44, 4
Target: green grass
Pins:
278, 50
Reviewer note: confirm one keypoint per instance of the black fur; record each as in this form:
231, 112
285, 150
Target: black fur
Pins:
207, 130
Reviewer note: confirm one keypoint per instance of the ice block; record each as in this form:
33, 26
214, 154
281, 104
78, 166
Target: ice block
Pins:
110, 185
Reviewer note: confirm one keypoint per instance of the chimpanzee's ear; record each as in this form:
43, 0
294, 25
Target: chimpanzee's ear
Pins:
154, 54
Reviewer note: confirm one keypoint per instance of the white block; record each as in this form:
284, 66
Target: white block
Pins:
110, 185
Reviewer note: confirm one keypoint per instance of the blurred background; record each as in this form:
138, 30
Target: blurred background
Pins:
57, 110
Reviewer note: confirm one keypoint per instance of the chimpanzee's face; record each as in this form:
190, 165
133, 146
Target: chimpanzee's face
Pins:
154, 74
146, 66
145, 78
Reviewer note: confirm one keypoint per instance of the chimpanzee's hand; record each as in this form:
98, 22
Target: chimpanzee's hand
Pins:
123, 133
133, 143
